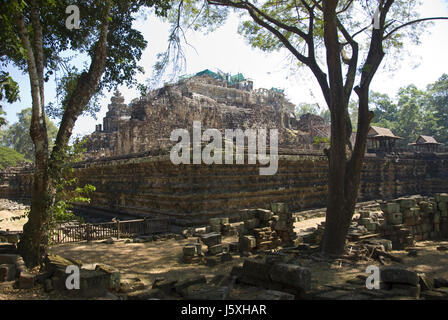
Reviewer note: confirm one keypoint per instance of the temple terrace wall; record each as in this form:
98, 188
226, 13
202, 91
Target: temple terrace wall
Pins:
151, 186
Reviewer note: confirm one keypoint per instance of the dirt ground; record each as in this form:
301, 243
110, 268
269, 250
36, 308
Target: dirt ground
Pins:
151, 260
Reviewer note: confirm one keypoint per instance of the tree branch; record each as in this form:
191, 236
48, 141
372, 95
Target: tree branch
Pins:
86, 86
249, 6
352, 63
36, 130
412, 22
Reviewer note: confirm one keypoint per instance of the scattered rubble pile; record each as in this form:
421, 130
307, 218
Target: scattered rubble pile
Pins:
403, 221
259, 229
313, 236
266, 229
371, 217
273, 274
12, 268
217, 251
396, 282
416, 218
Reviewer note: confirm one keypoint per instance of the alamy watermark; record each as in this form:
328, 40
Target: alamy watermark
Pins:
376, 19
373, 280
72, 21
212, 153
72, 281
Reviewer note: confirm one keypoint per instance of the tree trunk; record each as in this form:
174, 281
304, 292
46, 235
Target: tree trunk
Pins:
345, 174
34, 237
36, 231
34, 241
336, 224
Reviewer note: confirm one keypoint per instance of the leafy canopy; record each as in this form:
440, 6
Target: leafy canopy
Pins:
17, 136
64, 50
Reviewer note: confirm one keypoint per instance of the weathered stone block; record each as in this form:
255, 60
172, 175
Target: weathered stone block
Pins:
405, 290
426, 206
279, 208
440, 283
189, 250
114, 276
211, 239
183, 284
215, 249
145, 294
131, 285
371, 227
247, 214
390, 207
26, 280
436, 218
233, 247
434, 295
274, 295
395, 218
224, 221
206, 291
226, 257
7, 272
247, 243
251, 223
406, 203
398, 275
215, 221
264, 215
291, 276
164, 285
94, 283
441, 197
8, 248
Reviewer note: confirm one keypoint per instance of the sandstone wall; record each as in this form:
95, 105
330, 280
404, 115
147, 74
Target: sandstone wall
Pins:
152, 186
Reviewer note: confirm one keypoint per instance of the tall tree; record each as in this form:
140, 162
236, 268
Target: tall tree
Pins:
438, 105
37, 36
17, 135
304, 108
384, 108
342, 29
411, 113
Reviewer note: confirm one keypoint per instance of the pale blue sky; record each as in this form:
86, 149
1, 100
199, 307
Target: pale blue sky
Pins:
224, 49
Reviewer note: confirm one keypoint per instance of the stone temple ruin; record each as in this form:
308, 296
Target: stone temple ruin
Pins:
402, 196
128, 157
146, 123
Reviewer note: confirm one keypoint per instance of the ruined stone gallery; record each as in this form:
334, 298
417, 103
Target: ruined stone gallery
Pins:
220, 231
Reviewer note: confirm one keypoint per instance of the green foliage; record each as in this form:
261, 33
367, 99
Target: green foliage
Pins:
9, 91
384, 108
65, 87
67, 189
9, 157
17, 135
438, 107
415, 112
320, 140
63, 47
304, 108
355, 17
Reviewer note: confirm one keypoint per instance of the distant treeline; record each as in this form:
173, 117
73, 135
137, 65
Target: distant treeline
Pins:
412, 112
